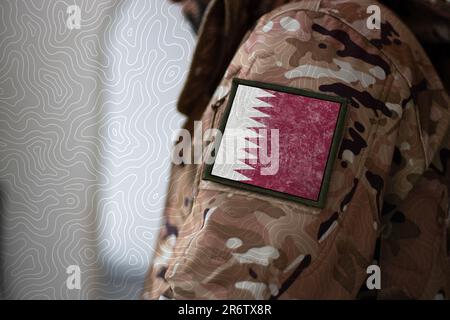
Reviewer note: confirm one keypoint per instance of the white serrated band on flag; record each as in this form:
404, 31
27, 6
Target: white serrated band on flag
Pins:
232, 151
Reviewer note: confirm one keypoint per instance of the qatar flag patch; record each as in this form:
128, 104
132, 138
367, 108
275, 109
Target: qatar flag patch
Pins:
279, 141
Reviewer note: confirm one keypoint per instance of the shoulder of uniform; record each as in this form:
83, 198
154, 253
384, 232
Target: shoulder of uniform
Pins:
397, 44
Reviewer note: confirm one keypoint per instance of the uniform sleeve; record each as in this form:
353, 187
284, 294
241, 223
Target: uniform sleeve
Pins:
239, 244
416, 207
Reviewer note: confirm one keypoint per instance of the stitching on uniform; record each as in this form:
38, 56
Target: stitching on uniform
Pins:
368, 41
394, 65
381, 51
319, 3
422, 139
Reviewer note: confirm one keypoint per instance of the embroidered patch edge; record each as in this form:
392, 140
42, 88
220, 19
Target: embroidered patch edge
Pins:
332, 154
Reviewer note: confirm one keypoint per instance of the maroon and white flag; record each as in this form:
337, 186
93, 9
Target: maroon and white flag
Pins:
277, 141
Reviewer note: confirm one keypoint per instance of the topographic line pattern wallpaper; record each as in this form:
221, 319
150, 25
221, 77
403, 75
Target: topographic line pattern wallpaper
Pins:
87, 115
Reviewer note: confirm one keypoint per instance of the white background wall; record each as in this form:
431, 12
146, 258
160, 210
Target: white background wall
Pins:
86, 116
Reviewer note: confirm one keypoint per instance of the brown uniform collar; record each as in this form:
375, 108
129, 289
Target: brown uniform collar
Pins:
225, 23
222, 29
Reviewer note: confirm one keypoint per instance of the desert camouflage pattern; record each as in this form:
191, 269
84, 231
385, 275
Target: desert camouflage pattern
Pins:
388, 189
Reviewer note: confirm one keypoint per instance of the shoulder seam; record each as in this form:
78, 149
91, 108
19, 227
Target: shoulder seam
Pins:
381, 51
343, 21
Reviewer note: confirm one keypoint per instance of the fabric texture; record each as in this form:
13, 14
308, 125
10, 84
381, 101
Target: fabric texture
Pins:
390, 181
280, 142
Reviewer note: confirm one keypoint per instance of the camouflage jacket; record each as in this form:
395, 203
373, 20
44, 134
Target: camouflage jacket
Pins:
388, 186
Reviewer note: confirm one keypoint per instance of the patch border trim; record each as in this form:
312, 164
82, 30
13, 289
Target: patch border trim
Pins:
334, 147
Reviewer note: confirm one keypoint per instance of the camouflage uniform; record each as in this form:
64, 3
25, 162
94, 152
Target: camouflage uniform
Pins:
390, 180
